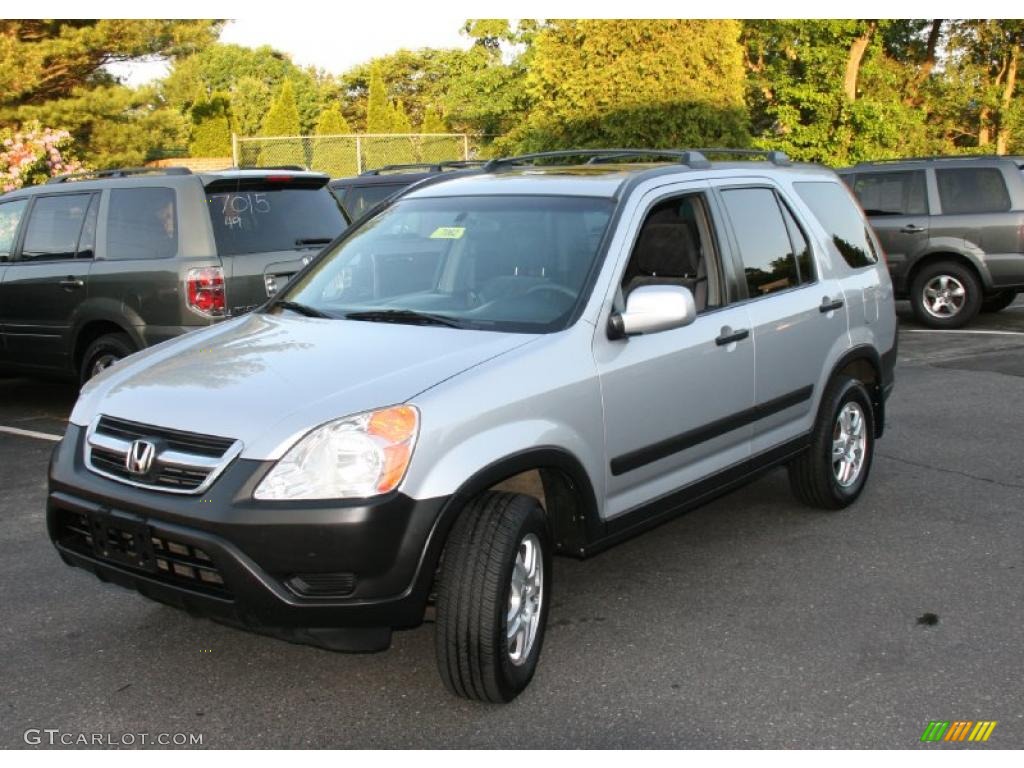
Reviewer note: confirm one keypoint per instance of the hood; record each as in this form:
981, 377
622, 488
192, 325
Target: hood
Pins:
267, 379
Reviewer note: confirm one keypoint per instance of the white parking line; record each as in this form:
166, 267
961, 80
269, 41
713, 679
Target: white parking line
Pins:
31, 433
983, 333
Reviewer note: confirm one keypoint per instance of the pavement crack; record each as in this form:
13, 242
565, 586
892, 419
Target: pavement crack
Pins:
923, 465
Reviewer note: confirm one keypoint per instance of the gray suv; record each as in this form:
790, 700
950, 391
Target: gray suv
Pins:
98, 265
952, 229
493, 369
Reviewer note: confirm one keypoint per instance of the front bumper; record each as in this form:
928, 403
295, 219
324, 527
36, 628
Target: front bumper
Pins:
338, 574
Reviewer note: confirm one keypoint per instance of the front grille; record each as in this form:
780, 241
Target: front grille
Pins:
138, 548
183, 462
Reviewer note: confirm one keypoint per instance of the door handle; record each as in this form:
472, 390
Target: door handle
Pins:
70, 283
728, 336
911, 229
830, 305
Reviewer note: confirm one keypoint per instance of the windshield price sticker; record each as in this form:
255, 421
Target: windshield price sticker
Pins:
448, 233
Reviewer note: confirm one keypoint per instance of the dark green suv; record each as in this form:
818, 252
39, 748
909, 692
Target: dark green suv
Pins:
96, 266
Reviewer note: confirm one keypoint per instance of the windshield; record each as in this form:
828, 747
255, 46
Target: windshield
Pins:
506, 262
260, 219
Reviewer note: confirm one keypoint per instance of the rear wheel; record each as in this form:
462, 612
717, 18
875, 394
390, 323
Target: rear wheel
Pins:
945, 294
103, 353
832, 472
493, 597
997, 302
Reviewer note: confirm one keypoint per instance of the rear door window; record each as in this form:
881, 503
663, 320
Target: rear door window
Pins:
54, 227
260, 218
897, 193
833, 206
769, 263
972, 190
10, 216
142, 223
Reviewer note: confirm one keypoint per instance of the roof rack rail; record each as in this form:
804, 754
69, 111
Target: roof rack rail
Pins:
117, 173
924, 158
690, 157
773, 156
438, 167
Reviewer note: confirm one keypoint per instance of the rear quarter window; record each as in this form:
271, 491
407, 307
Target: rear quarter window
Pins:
833, 206
142, 223
972, 190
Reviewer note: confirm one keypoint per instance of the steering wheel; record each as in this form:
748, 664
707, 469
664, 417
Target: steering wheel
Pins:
552, 288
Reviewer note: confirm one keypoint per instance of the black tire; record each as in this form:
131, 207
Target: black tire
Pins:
965, 276
812, 475
106, 349
473, 653
997, 302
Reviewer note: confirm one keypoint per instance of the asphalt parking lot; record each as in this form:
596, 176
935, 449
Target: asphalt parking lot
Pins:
752, 622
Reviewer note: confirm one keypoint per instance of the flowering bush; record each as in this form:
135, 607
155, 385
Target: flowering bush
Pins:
34, 154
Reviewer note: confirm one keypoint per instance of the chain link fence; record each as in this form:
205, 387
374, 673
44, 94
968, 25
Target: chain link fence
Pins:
351, 154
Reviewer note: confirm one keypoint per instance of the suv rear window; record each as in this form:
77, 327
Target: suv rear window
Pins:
972, 190
833, 206
269, 217
897, 193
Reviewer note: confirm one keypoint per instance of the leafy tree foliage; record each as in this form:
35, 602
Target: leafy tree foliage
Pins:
282, 120
655, 83
211, 127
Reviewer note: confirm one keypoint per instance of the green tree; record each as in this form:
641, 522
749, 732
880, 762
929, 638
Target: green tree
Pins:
211, 127
249, 99
379, 114
53, 71
282, 120
659, 83
334, 156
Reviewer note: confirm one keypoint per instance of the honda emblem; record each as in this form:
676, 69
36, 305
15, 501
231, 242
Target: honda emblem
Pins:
139, 459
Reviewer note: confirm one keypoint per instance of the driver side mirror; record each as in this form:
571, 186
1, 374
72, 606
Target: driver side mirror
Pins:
653, 308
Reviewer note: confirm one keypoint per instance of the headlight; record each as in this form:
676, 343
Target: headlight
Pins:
354, 457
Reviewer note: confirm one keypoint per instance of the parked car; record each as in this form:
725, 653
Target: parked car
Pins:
952, 229
96, 266
491, 370
358, 194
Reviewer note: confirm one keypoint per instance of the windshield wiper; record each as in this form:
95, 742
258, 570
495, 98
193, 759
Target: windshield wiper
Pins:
302, 309
312, 241
408, 316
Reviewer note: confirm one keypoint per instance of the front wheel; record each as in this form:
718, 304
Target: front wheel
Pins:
832, 472
493, 597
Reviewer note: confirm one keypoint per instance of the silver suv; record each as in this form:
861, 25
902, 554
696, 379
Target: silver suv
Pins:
493, 369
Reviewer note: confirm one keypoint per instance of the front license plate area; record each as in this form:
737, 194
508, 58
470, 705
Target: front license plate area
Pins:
123, 541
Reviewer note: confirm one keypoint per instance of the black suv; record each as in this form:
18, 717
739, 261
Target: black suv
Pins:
358, 194
952, 228
96, 266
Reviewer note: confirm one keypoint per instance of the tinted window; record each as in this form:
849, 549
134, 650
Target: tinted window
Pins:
902, 193
263, 219
506, 262
10, 214
768, 261
972, 190
834, 208
54, 227
804, 260
361, 199
87, 241
142, 223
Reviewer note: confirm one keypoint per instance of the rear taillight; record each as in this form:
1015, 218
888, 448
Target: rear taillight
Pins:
204, 291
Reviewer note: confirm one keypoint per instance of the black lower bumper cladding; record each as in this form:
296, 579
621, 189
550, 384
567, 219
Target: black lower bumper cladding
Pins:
336, 574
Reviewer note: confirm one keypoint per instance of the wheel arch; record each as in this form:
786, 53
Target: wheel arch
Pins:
962, 257
864, 363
